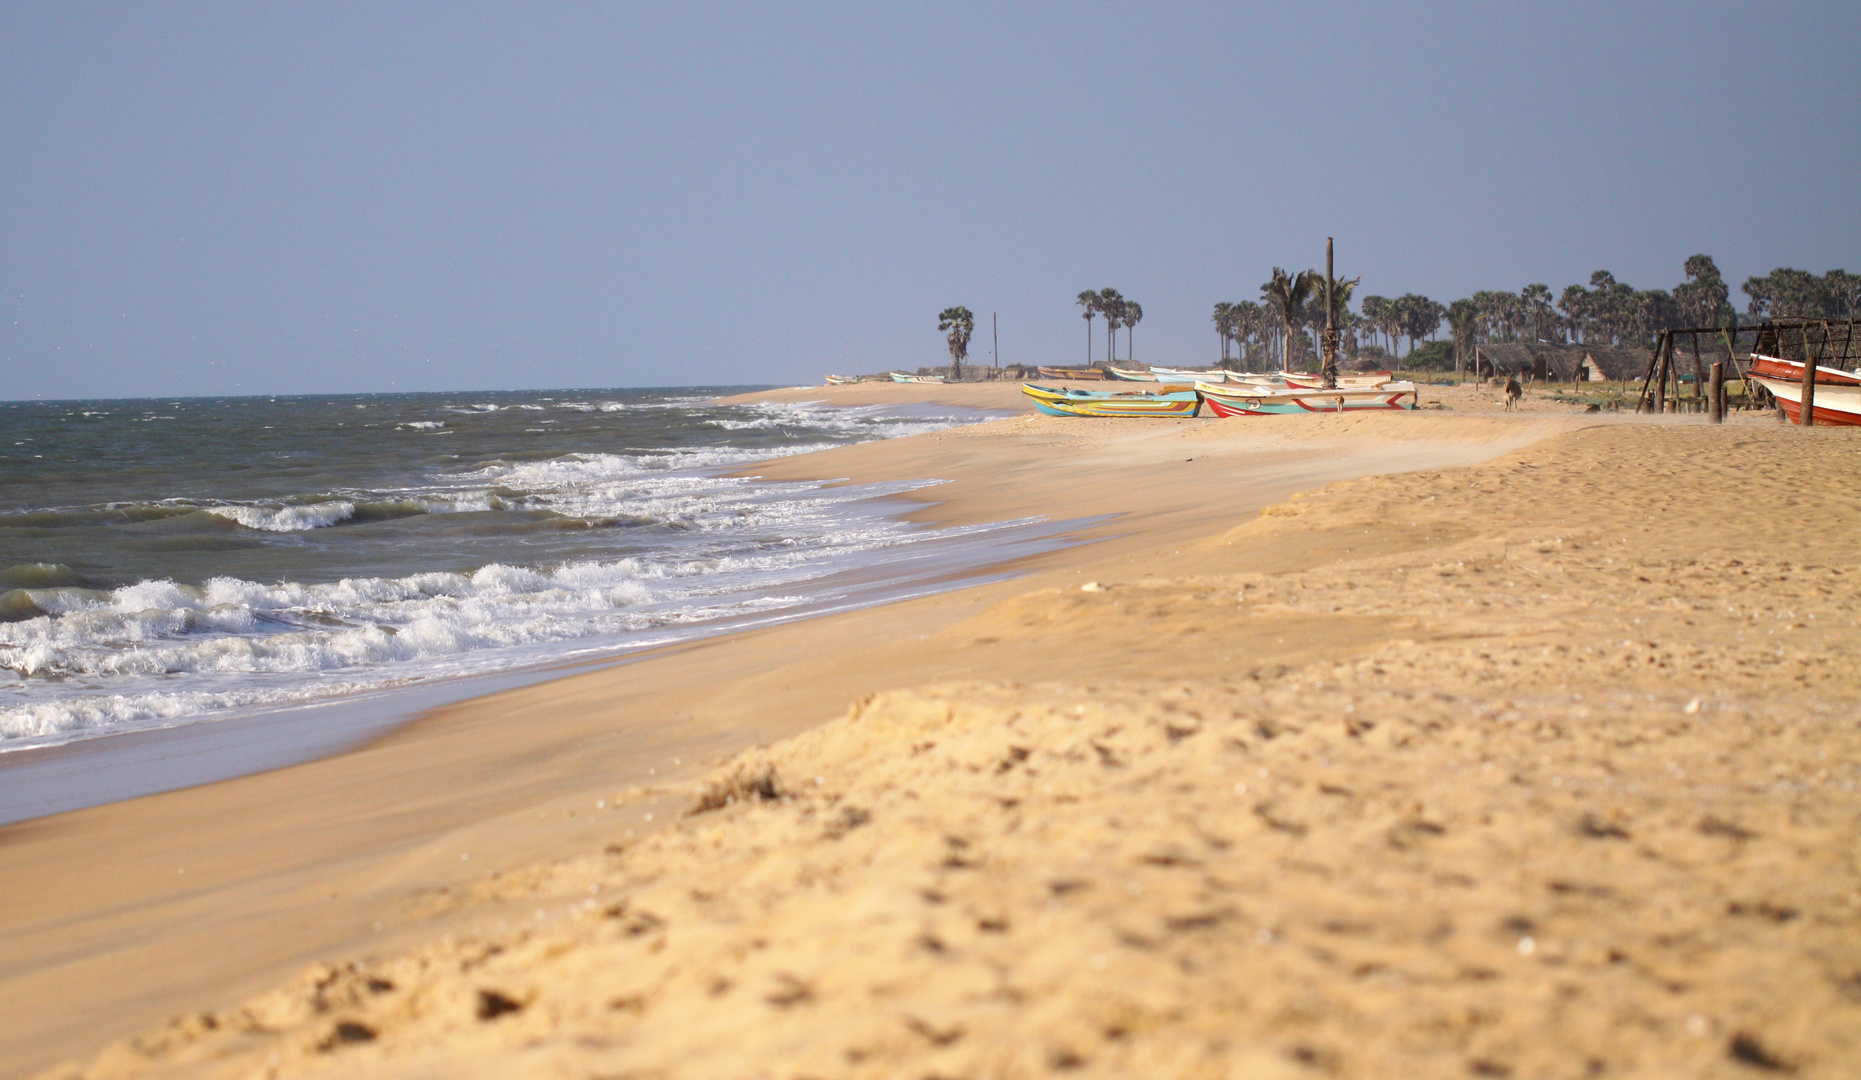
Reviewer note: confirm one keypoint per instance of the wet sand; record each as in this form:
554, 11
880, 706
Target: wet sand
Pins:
1514, 746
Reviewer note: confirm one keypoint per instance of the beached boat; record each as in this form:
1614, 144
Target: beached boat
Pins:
1838, 392
1355, 381
899, 376
1071, 393
842, 380
1251, 401
1131, 376
1072, 373
1189, 376
1181, 403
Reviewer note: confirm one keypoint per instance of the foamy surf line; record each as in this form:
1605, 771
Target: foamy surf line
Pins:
86, 663
58, 778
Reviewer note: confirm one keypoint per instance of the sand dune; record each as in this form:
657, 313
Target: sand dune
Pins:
1514, 746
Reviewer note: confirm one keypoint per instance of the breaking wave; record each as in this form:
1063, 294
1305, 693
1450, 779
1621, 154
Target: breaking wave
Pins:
78, 658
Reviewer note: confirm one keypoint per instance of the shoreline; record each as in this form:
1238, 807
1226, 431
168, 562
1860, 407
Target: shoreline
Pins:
113, 765
300, 863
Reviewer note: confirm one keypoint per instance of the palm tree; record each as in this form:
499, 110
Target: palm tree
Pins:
1537, 301
1090, 301
1286, 295
1418, 315
1111, 305
1704, 299
1132, 314
1376, 314
1253, 320
1575, 304
1463, 318
1224, 326
958, 323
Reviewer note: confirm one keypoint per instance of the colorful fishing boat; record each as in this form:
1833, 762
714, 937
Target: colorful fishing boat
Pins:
1355, 381
1251, 401
1838, 392
899, 376
1072, 393
1072, 373
1182, 403
1131, 376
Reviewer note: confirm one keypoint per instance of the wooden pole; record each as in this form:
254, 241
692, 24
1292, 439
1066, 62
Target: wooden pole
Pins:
995, 330
1661, 361
1717, 401
1643, 400
1699, 369
1673, 376
1807, 418
1328, 343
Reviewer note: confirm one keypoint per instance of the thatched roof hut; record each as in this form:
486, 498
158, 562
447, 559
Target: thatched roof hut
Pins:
1565, 363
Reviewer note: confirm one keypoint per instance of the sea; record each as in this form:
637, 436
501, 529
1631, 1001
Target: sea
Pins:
177, 561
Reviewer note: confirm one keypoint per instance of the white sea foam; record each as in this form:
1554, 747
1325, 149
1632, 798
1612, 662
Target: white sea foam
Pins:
156, 652
287, 518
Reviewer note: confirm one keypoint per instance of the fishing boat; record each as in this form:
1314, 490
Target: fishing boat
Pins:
1181, 403
1070, 393
1252, 401
1131, 376
1188, 376
841, 380
1356, 381
1838, 392
1071, 373
899, 376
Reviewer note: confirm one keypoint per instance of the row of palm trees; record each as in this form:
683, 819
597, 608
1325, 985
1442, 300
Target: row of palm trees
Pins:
1119, 313
1610, 312
1281, 329
1791, 293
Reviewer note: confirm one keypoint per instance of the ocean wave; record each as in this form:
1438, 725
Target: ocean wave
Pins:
76, 657
287, 518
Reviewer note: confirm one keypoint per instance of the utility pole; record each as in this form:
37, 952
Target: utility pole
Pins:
1329, 341
995, 330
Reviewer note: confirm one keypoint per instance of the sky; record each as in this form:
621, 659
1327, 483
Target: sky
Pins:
256, 198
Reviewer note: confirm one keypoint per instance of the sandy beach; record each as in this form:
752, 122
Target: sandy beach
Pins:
1444, 743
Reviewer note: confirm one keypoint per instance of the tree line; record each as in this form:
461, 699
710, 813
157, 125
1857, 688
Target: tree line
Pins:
1119, 312
1281, 329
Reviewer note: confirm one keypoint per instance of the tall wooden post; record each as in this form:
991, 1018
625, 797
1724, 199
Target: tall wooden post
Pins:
1662, 356
1673, 372
1716, 402
1807, 418
1329, 342
1699, 370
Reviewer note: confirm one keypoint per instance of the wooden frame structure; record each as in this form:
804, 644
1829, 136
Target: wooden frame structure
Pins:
1831, 342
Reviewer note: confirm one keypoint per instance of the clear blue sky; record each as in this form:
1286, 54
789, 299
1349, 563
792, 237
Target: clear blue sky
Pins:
284, 198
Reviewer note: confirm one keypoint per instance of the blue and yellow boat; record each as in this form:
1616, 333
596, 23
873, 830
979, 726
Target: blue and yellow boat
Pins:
1063, 402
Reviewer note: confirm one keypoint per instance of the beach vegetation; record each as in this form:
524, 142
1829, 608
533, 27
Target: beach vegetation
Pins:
1286, 295
1119, 312
1604, 313
958, 325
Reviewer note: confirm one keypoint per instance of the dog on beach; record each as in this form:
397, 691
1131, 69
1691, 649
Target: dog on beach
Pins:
1513, 392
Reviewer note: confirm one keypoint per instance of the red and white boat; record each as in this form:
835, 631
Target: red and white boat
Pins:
1838, 392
